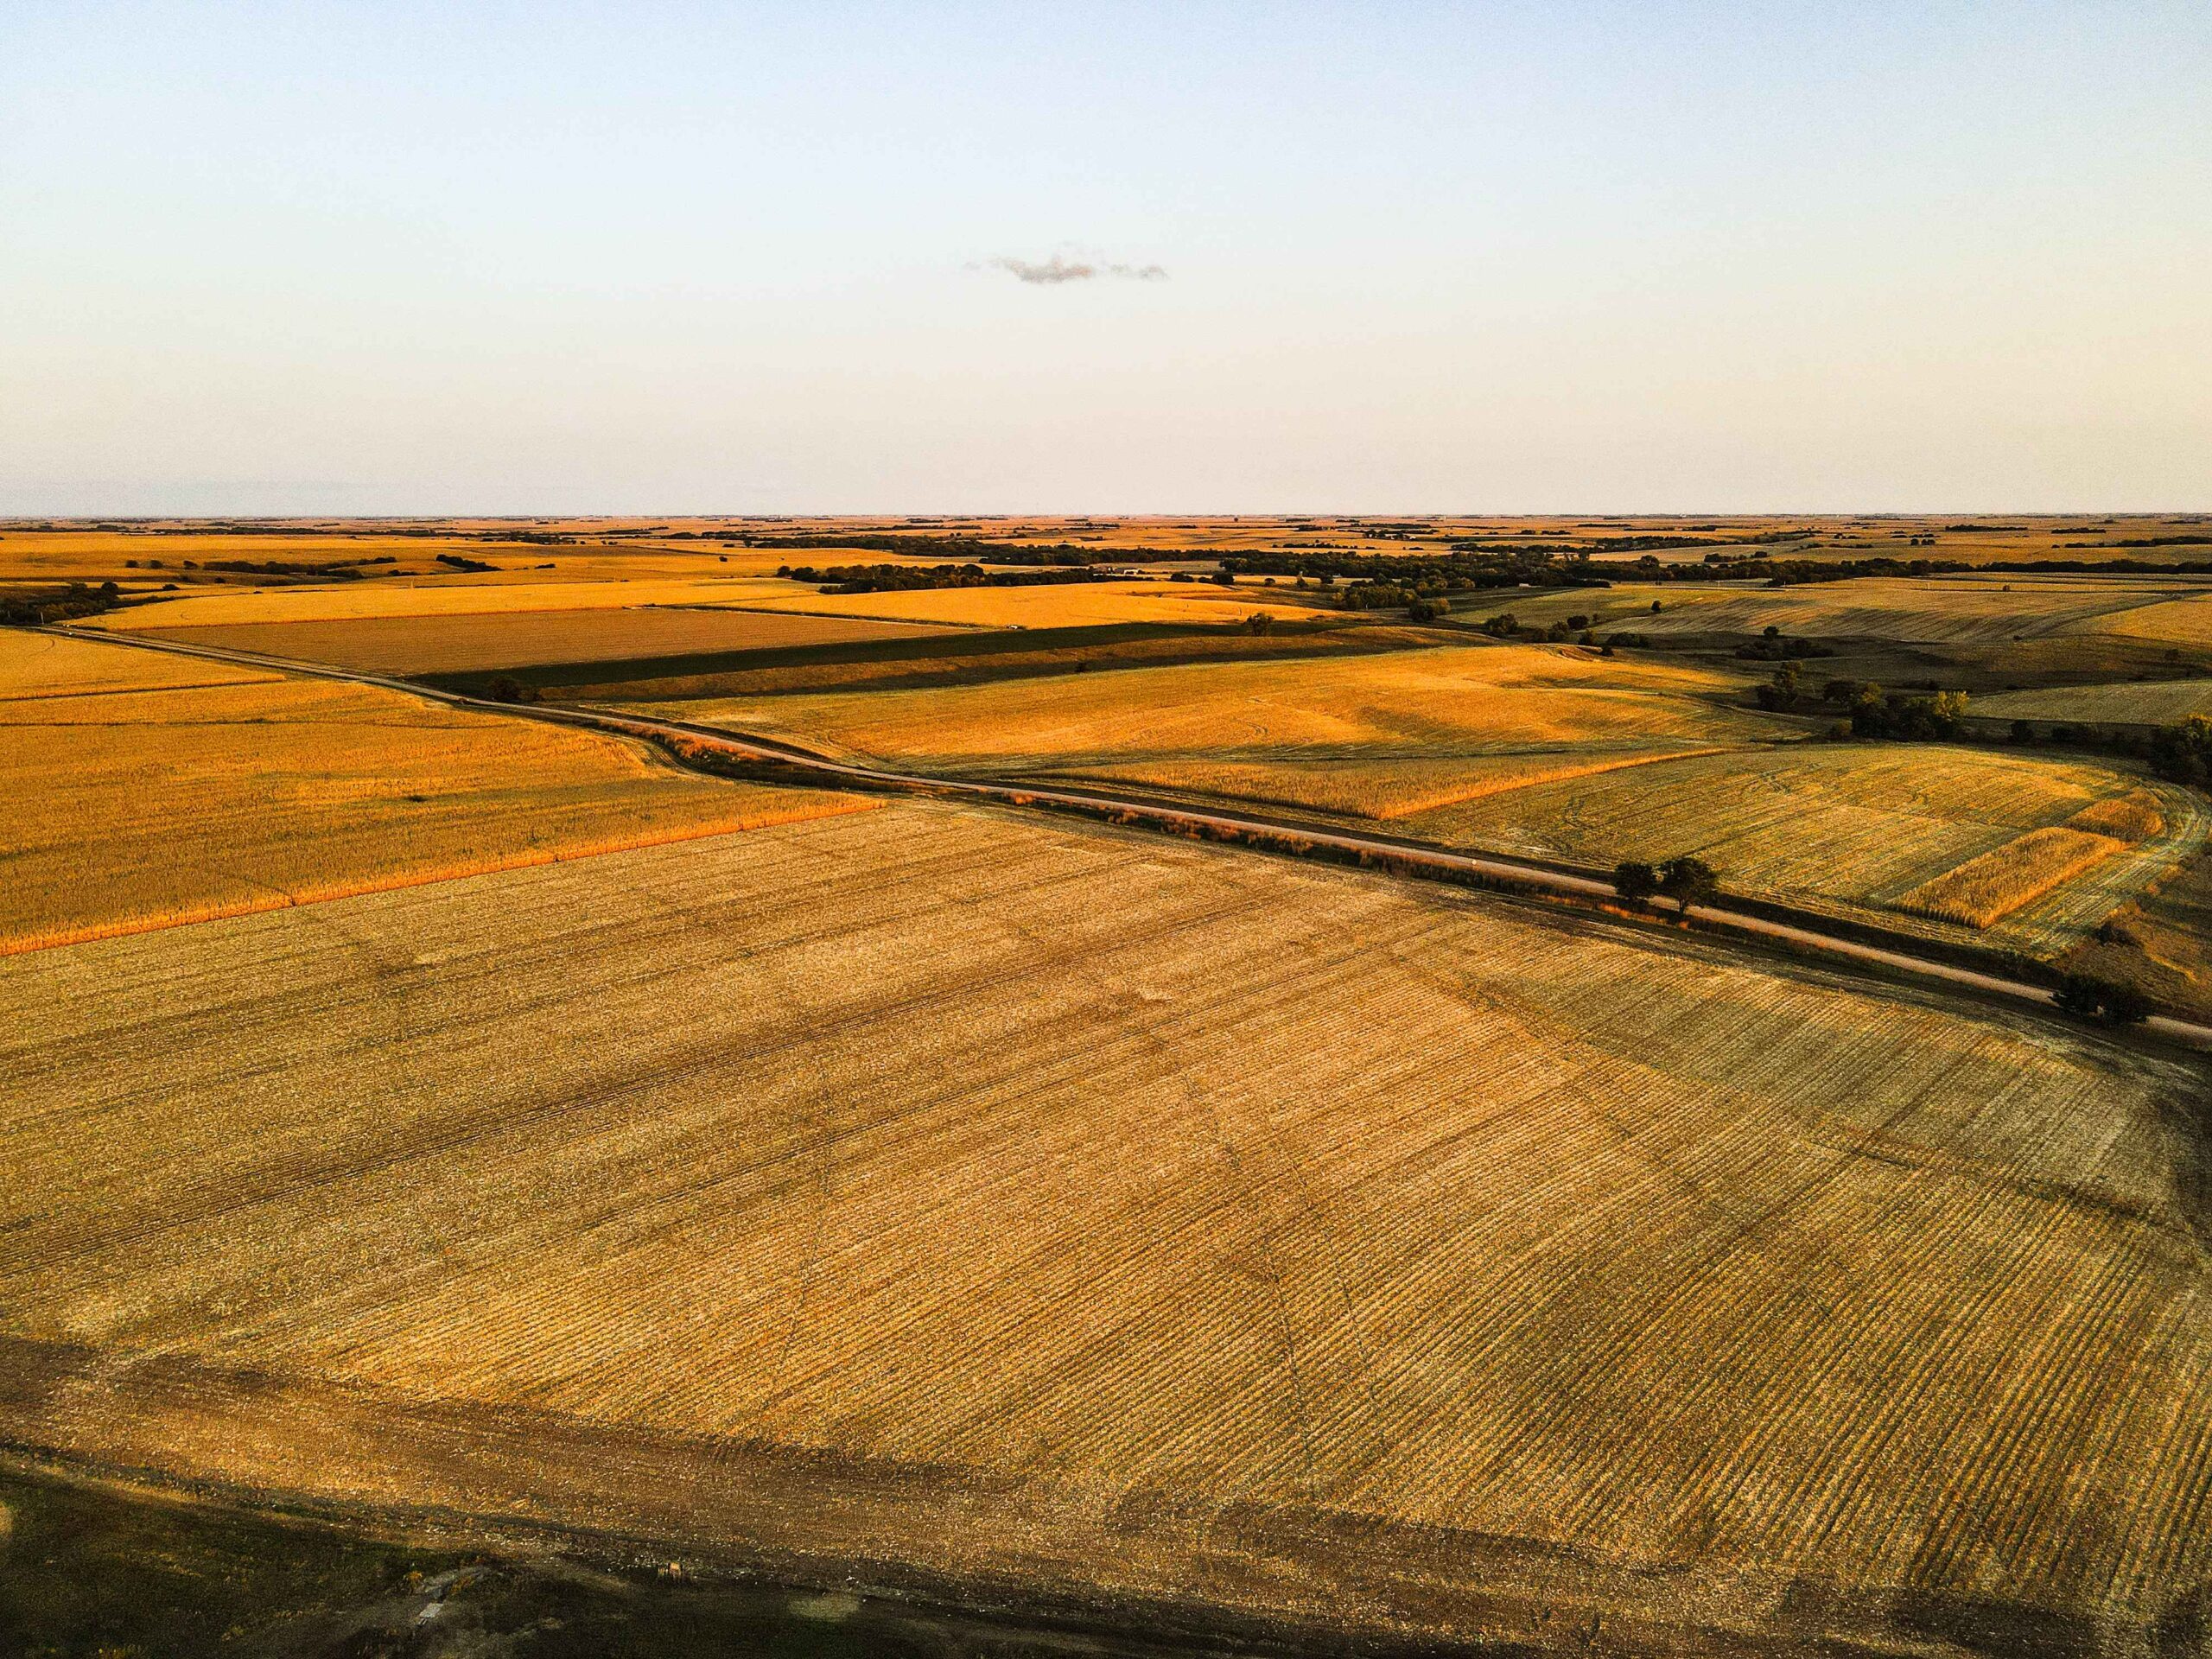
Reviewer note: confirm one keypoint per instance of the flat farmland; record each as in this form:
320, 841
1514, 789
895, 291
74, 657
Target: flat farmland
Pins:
1946, 610
2184, 621
936, 1193
1379, 735
440, 644
1850, 828
1543, 751
434, 596
970, 655
628, 549
153, 556
151, 790
1085, 604
35, 669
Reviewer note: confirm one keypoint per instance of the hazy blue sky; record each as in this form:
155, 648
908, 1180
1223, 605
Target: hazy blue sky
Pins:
661, 258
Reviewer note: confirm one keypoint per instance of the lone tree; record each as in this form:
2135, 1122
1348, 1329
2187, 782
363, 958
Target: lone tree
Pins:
1635, 881
1688, 881
2088, 997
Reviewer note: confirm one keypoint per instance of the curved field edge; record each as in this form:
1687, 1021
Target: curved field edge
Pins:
1138, 1222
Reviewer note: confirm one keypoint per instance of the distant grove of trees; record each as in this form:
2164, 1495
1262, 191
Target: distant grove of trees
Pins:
907, 578
59, 605
2183, 753
1871, 712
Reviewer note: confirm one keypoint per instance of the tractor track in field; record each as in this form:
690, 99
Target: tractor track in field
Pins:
1498, 872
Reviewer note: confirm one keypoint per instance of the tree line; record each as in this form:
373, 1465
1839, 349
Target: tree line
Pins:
909, 578
59, 605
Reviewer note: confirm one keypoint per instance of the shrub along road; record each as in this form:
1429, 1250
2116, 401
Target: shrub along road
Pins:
715, 748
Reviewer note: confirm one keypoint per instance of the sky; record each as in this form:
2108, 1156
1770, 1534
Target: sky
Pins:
1115, 257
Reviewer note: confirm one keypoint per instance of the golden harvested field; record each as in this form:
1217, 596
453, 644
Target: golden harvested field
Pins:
144, 559
1948, 610
244, 606
1536, 750
1356, 785
442, 644
2180, 622
1351, 728
1850, 828
1820, 537
970, 655
1050, 1209
149, 791
1089, 604
633, 549
2145, 702
35, 667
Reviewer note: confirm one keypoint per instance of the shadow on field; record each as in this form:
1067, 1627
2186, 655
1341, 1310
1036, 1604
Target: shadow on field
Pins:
970, 656
90, 1572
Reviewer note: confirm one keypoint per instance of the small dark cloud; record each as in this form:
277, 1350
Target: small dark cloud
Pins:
1051, 272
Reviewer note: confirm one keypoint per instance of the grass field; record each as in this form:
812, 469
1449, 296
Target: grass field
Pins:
1363, 786
1081, 604
438, 644
1062, 1212
150, 790
2181, 621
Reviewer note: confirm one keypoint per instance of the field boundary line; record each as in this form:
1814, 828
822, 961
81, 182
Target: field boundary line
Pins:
536, 858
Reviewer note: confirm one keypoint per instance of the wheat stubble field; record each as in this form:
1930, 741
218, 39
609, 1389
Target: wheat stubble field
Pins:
150, 791
1010, 1205
1553, 752
502, 1123
436, 643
